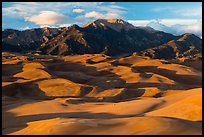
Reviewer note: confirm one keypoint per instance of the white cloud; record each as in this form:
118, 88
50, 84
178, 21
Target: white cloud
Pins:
94, 14
100, 3
112, 9
27, 3
113, 16
117, 7
190, 12
24, 9
25, 28
29, 10
65, 25
174, 26
195, 28
55, 26
49, 26
178, 11
78, 10
106, 12
102, 12
167, 22
170, 22
159, 9
139, 22
80, 18
98, 15
49, 18
19, 10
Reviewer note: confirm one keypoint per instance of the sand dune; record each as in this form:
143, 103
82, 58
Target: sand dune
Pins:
126, 126
98, 94
185, 105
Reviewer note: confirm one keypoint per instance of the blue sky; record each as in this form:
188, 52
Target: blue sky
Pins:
25, 15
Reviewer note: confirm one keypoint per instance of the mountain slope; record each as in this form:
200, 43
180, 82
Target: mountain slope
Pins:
111, 37
188, 45
28, 40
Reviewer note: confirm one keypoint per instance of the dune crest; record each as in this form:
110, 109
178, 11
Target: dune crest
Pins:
98, 94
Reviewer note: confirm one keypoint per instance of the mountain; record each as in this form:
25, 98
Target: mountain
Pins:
28, 40
112, 37
109, 36
159, 26
188, 45
116, 24
177, 29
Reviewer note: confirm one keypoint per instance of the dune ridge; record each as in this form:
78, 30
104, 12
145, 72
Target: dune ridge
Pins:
98, 94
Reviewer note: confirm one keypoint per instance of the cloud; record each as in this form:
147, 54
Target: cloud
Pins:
80, 18
55, 26
25, 28
49, 26
195, 28
33, 12
31, 3
167, 22
94, 14
183, 12
170, 22
159, 9
174, 26
65, 25
190, 12
23, 9
27, 3
98, 15
19, 10
78, 10
117, 7
139, 22
106, 12
112, 9
49, 18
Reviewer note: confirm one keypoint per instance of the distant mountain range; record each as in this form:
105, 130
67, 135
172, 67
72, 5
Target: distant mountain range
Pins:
177, 29
112, 37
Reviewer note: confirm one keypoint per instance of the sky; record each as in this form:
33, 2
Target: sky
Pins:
172, 17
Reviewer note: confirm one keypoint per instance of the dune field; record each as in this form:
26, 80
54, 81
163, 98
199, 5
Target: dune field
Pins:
96, 94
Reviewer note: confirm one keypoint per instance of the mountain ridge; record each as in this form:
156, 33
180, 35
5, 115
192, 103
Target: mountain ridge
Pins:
112, 37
